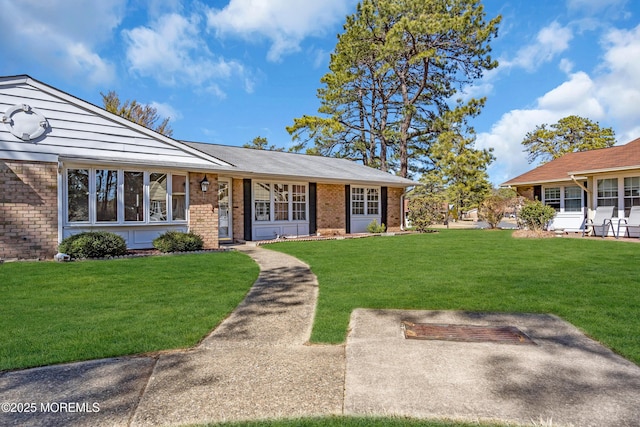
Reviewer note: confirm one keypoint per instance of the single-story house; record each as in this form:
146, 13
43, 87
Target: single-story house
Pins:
576, 183
68, 166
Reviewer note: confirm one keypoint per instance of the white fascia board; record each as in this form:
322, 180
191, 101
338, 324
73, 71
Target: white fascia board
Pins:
195, 167
546, 181
28, 157
318, 180
605, 170
113, 117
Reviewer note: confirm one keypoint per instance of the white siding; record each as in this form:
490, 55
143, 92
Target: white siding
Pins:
76, 131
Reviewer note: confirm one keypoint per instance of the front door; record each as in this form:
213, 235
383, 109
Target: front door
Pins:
224, 213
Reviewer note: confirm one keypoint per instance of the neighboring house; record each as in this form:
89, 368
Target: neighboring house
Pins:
67, 166
576, 183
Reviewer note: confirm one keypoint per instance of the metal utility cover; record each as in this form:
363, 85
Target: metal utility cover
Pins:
465, 333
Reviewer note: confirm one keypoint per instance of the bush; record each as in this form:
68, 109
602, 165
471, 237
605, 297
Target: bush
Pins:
374, 227
177, 241
535, 215
492, 209
93, 244
425, 211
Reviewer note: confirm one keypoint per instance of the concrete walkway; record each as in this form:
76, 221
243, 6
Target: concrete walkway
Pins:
257, 364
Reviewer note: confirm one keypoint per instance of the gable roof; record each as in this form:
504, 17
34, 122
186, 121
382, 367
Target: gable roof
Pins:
620, 157
79, 130
292, 166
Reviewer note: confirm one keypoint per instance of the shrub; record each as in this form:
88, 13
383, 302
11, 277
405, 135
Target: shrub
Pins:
93, 244
492, 209
425, 211
536, 215
374, 227
177, 241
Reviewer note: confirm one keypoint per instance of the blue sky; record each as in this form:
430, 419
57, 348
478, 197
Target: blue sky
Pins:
227, 71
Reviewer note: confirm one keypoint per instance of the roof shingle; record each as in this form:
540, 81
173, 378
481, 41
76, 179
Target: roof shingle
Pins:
601, 160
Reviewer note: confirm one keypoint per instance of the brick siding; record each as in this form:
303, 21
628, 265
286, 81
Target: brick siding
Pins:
394, 212
203, 210
331, 209
237, 209
28, 210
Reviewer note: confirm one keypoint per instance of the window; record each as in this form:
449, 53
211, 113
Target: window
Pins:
631, 193
281, 201
365, 201
357, 201
78, 195
373, 201
262, 200
572, 199
120, 196
552, 197
158, 197
179, 197
134, 196
106, 195
288, 201
608, 193
299, 196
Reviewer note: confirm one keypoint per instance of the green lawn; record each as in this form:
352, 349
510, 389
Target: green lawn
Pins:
353, 422
60, 312
593, 284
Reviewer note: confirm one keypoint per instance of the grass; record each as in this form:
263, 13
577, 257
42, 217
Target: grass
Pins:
60, 312
593, 284
352, 422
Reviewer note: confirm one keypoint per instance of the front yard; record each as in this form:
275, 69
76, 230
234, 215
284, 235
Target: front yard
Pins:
52, 312
591, 283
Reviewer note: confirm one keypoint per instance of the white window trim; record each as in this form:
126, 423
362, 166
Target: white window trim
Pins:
272, 202
120, 197
562, 197
366, 201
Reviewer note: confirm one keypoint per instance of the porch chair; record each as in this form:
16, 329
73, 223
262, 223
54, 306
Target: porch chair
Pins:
632, 223
601, 222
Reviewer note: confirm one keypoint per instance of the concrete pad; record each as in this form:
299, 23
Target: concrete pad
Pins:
566, 379
242, 382
96, 393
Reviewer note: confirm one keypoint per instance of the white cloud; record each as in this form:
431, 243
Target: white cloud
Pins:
285, 23
550, 41
610, 95
575, 96
172, 51
63, 34
619, 82
165, 110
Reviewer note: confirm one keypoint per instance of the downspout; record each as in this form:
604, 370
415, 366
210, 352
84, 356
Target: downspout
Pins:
579, 184
586, 190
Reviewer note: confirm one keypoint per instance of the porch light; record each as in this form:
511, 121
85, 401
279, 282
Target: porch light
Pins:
204, 184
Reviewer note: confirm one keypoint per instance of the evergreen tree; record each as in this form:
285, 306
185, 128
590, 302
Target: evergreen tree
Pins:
570, 134
392, 75
144, 115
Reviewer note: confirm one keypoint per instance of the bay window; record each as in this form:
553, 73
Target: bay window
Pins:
122, 196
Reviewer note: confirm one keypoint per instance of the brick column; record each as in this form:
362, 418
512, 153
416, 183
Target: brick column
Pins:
394, 210
203, 209
331, 209
28, 210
